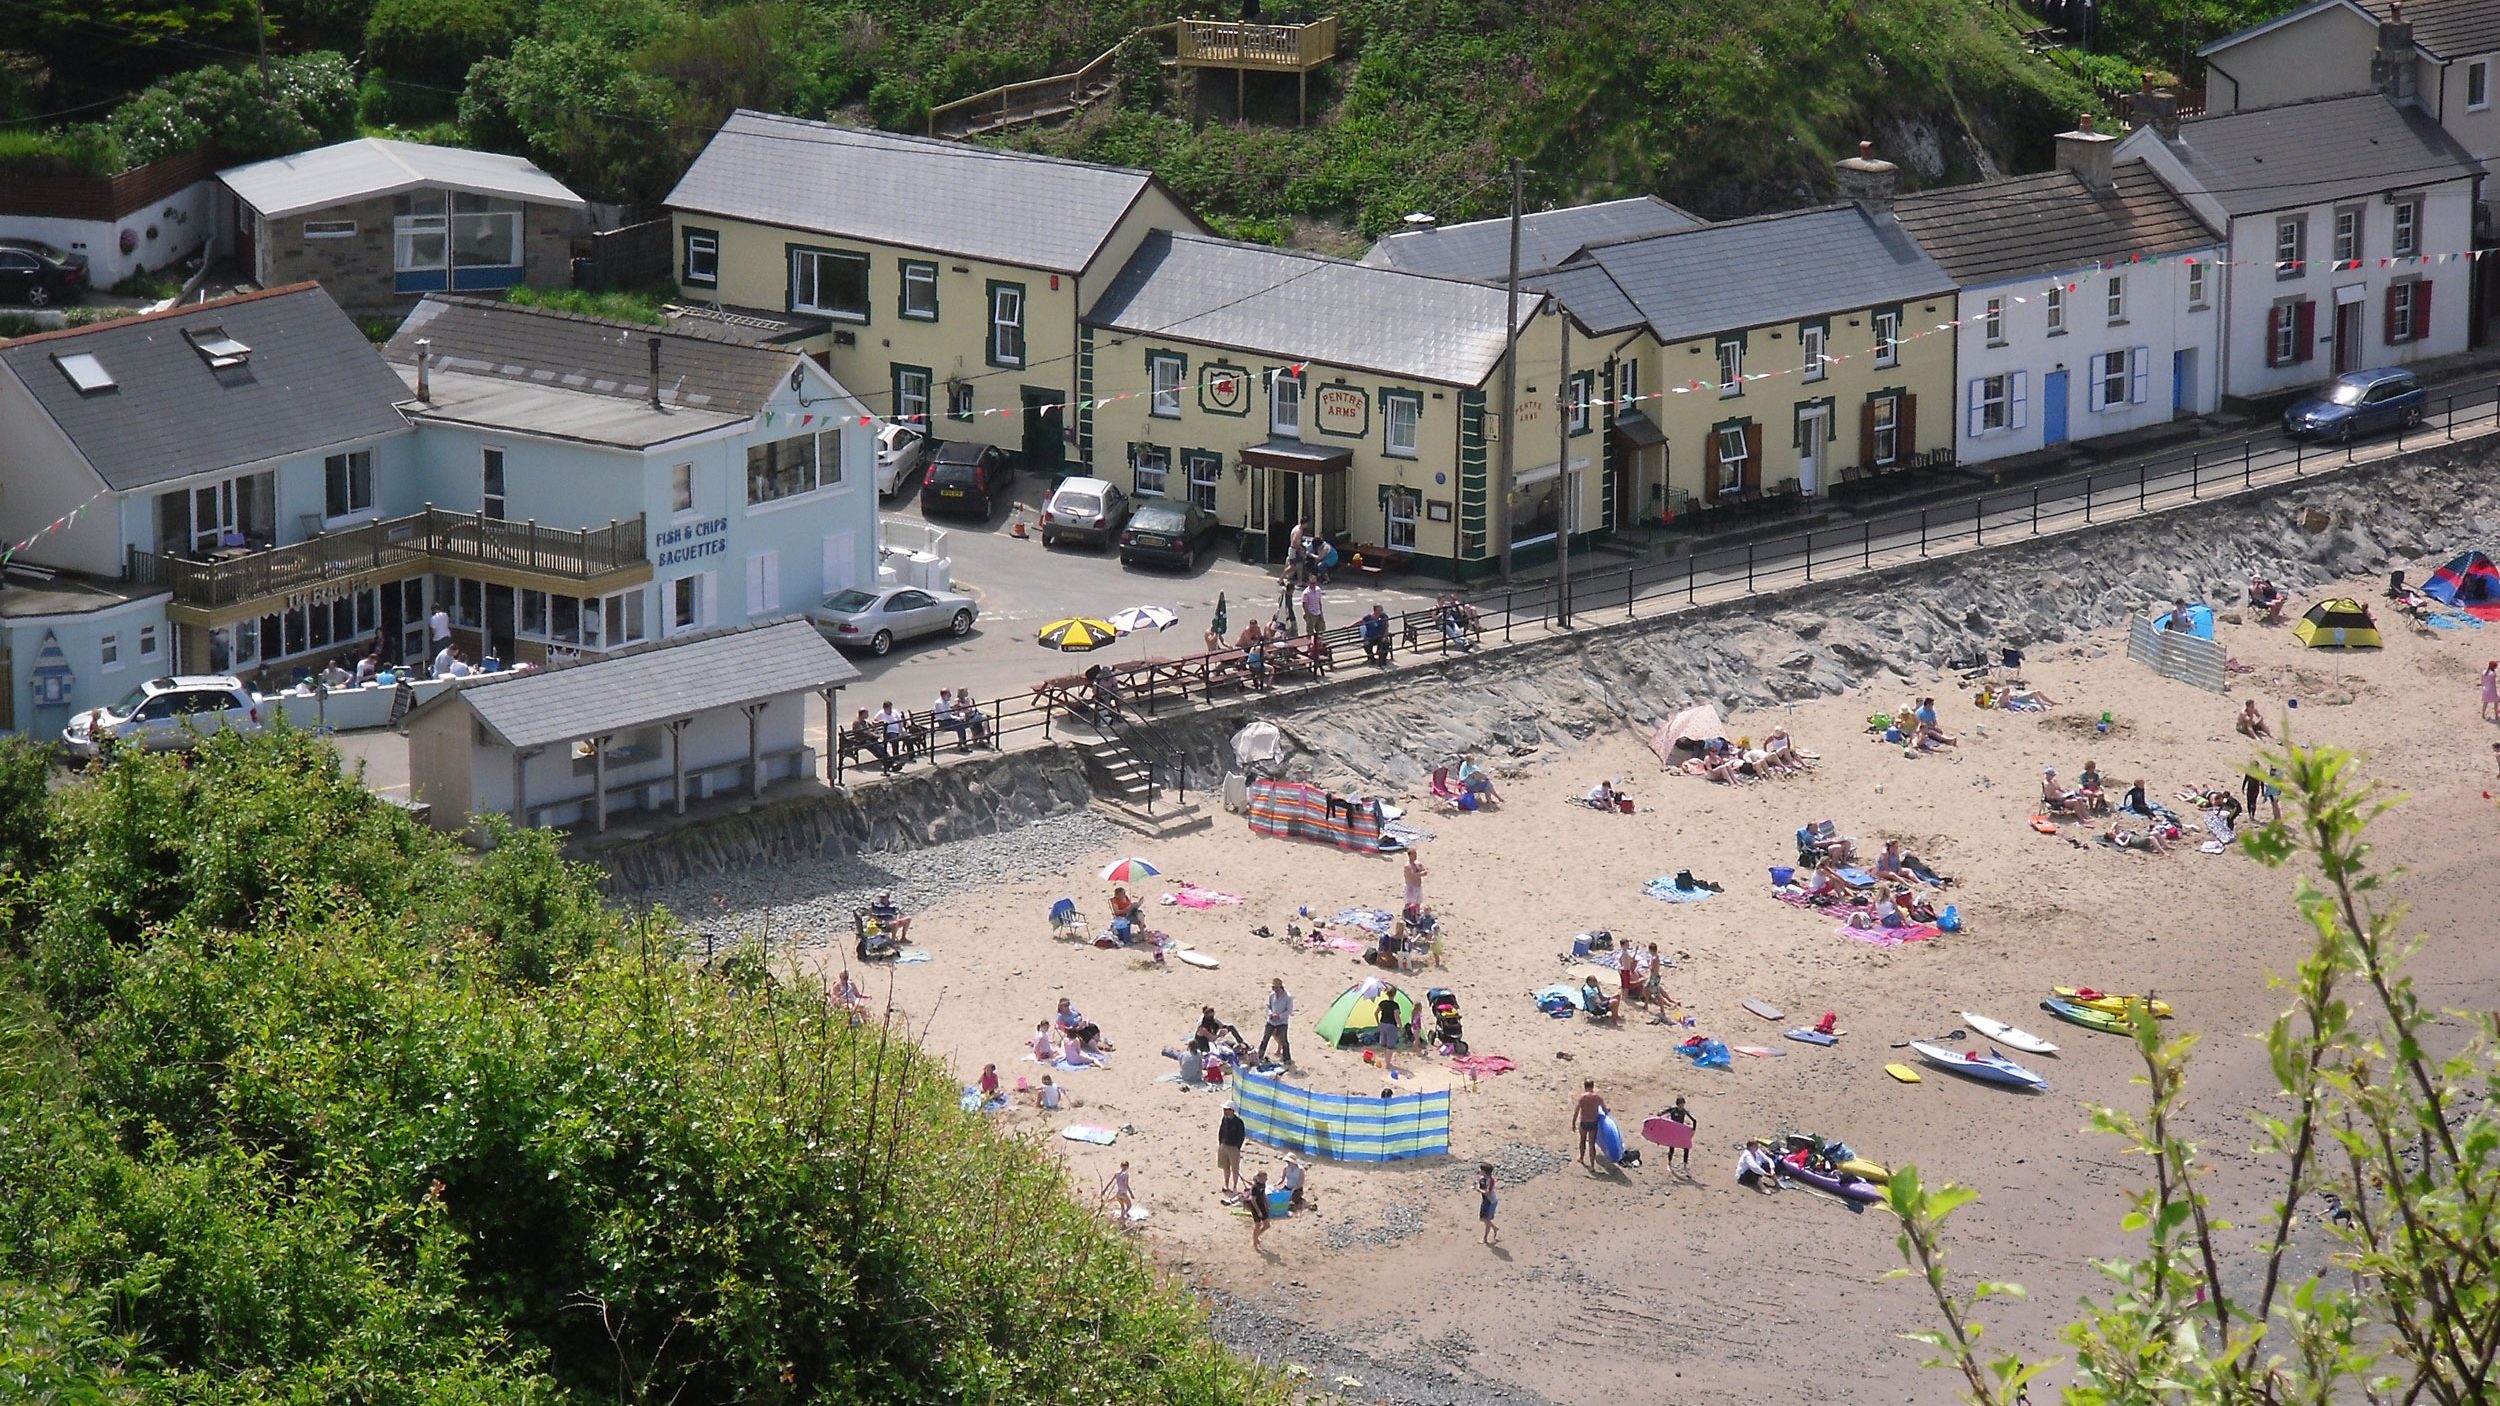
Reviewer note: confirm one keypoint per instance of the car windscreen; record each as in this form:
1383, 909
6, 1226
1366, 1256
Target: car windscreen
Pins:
130, 703
850, 602
1158, 517
1077, 505
2344, 393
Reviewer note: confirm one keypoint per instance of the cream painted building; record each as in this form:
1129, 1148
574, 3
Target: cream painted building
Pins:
941, 281
1270, 387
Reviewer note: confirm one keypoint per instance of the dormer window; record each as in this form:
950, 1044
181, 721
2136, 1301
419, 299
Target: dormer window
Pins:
84, 372
216, 347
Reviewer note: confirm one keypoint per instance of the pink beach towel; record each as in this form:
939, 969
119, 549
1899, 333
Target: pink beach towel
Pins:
1482, 1064
1890, 937
1195, 897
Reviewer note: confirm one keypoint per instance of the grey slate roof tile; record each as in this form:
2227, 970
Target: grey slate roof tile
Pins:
2276, 158
1592, 295
700, 369
2048, 222
1480, 249
1305, 307
917, 192
2452, 29
652, 683
311, 380
1770, 268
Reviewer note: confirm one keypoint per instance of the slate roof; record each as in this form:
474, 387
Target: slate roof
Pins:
702, 371
973, 202
1480, 249
2449, 29
2048, 222
2275, 158
1591, 293
651, 683
1305, 307
373, 166
1770, 268
310, 381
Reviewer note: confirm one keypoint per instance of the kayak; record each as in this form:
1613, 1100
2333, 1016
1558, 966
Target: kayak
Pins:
2105, 1001
1859, 1167
2005, 1034
2089, 1017
1989, 1068
1841, 1184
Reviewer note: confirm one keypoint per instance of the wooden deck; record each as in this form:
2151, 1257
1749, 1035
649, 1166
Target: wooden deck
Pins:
1265, 48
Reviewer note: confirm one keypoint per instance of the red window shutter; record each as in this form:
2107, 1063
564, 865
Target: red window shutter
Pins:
2421, 310
1907, 439
2391, 314
1753, 458
2274, 336
1866, 435
2304, 329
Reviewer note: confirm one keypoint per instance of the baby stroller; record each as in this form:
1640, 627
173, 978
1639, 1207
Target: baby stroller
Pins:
871, 943
1442, 1004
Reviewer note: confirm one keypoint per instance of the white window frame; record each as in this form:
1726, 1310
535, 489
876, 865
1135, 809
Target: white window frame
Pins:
1582, 394
2287, 346
690, 599
915, 387
494, 483
1400, 512
682, 500
1279, 400
1887, 424
806, 294
1810, 344
2405, 302
151, 643
1731, 368
2114, 298
1150, 470
1628, 384
960, 403
1167, 373
1731, 476
329, 229
823, 471
109, 651
1402, 424
1007, 313
429, 219
2196, 286
2053, 302
1993, 320
2408, 228
1887, 338
2478, 85
702, 258
2291, 246
347, 502
921, 275
1991, 405
1206, 477
2348, 233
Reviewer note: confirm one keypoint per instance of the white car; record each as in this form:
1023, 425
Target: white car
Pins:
874, 619
901, 452
165, 715
1085, 510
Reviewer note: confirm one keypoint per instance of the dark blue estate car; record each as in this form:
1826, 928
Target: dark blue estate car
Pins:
2358, 403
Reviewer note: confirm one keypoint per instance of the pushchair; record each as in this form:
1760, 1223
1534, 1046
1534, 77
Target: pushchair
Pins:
870, 940
1442, 1004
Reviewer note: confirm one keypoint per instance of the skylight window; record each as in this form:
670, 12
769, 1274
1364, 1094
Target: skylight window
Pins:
217, 348
84, 372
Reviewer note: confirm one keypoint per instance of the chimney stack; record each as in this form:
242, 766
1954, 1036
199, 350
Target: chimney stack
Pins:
2086, 153
1867, 182
425, 356
655, 374
2391, 67
2158, 108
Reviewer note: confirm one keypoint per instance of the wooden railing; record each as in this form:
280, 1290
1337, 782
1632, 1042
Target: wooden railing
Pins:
1010, 103
424, 541
1234, 44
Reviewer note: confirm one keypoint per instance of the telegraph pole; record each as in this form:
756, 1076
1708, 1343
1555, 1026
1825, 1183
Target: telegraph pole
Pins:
1567, 498
1498, 505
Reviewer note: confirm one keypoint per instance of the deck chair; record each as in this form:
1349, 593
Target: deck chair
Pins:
1442, 789
1068, 924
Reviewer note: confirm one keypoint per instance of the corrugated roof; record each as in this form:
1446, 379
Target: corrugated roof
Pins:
1480, 249
651, 683
1770, 268
2274, 158
373, 166
2047, 222
975, 202
2449, 29
310, 381
1305, 307
701, 371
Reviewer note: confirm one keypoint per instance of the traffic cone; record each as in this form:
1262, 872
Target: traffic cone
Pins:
1015, 525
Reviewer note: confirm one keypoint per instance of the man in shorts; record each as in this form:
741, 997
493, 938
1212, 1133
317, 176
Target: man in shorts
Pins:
1229, 1136
1585, 1111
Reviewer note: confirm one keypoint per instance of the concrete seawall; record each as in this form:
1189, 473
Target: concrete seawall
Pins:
1386, 730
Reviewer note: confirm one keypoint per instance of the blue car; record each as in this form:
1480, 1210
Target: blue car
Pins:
2358, 403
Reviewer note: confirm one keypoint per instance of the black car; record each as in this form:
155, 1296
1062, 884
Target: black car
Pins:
1166, 533
966, 479
39, 275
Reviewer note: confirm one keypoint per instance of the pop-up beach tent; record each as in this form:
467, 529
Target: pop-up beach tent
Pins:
1696, 725
2200, 621
1353, 1016
2341, 623
2469, 580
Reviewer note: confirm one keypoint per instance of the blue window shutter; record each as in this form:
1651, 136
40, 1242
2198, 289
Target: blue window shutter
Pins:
2139, 374
1978, 397
2018, 400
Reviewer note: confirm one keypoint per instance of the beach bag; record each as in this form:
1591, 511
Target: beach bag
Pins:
1782, 876
1684, 880
1950, 920
1601, 941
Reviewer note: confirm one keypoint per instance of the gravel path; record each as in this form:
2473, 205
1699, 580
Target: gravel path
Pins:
814, 901
1410, 1379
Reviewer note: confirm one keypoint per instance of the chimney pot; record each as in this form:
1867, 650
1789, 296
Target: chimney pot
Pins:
1867, 181
425, 382
2086, 153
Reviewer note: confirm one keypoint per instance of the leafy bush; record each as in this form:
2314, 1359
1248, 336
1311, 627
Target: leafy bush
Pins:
621, 306
310, 101
85, 150
434, 43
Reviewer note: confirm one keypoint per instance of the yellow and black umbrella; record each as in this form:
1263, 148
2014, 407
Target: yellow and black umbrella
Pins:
1077, 634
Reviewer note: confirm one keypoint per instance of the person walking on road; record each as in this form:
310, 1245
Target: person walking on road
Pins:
1279, 1022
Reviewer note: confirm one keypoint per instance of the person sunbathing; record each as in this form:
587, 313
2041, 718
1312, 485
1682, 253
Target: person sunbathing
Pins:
1596, 1002
2137, 803
1827, 884
2025, 698
2149, 841
2054, 797
2268, 597
848, 996
1779, 753
1723, 766
1906, 911
2253, 723
1899, 865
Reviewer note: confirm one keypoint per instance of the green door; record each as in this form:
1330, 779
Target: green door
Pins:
1045, 448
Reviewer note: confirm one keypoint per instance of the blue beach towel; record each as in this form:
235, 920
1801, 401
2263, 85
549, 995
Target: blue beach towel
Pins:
1664, 890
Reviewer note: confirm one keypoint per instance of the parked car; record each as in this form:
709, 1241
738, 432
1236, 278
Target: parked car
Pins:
875, 619
2358, 403
38, 275
966, 478
1166, 532
1084, 510
901, 452
164, 715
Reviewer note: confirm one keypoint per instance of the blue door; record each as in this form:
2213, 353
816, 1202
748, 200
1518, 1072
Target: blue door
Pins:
2053, 408
2183, 381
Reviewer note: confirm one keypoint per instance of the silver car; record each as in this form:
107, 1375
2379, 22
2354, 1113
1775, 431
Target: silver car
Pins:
902, 452
165, 715
874, 619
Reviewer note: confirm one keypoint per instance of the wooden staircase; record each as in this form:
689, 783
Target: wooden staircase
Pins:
1060, 95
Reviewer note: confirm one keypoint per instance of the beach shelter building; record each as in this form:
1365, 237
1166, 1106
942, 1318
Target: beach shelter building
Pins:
2342, 623
1354, 1017
2471, 579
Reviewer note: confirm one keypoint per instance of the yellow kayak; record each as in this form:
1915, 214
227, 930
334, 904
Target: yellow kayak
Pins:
2090, 999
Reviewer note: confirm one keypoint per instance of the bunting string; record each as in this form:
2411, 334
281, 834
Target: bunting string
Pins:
62, 523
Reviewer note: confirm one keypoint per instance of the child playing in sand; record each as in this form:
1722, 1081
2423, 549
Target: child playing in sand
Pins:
1488, 1201
1117, 1190
1045, 1045
1047, 1095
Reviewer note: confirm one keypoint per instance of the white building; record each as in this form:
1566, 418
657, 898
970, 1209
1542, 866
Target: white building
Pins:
2089, 298
2349, 219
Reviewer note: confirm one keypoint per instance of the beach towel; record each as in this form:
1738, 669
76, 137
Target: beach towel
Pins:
2024, 705
1327, 943
1061, 1064
1100, 1137
2218, 826
2445, 620
1857, 878
1664, 890
1371, 920
1406, 832
1191, 896
1562, 994
1705, 1053
1480, 1065
972, 1102
1890, 937
910, 956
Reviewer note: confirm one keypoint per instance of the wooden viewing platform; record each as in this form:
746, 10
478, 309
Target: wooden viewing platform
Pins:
1246, 48
1242, 47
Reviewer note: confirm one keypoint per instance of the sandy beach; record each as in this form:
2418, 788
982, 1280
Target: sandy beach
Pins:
1648, 1281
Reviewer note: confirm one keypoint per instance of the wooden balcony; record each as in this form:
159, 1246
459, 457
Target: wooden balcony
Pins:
1265, 48
432, 540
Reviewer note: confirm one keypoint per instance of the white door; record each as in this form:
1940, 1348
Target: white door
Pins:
841, 562
1811, 440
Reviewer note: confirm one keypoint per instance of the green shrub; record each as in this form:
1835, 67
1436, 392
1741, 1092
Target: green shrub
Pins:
434, 43
618, 305
310, 101
85, 150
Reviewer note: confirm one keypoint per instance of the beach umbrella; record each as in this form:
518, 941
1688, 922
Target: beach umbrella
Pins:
1128, 871
1077, 634
1143, 619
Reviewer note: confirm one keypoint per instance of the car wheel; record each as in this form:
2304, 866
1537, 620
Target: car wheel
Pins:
1047, 539
962, 623
2414, 416
38, 296
882, 643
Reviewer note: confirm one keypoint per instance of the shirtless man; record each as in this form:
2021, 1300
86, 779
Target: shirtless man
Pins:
1585, 1111
1415, 872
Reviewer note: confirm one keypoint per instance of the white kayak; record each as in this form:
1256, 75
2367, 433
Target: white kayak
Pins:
1989, 1068
2005, 1034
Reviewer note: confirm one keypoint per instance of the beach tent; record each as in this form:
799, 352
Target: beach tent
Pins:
1257, 745
1697, 724
2341, 623
1353, 1016
2469, 580
2200, 621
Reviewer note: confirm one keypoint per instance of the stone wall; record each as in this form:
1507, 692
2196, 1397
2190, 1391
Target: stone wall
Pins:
358, 270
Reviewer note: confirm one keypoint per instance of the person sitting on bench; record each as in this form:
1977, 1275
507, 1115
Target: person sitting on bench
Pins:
1375, 629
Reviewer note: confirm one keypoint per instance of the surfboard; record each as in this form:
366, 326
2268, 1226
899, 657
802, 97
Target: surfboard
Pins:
1812, 1037
1609, 1137
1080, 1132
1668, 1133
1196, 959
1765, 1010
1758, 1052
1902, 1072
